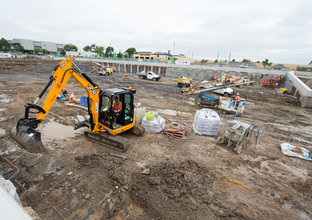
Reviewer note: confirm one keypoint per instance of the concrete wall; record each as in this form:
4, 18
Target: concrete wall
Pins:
205, 73
49, 46
299, 89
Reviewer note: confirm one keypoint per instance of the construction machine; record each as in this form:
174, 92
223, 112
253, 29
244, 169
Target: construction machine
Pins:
104, 123
270, 82
184, 82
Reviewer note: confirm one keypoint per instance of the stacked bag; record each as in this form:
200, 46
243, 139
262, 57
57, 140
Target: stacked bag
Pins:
206, 122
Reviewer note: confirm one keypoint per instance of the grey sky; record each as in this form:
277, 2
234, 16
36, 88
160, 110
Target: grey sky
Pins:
278, 30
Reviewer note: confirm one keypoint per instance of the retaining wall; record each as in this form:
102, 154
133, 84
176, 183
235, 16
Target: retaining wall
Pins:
299, 89
201, 73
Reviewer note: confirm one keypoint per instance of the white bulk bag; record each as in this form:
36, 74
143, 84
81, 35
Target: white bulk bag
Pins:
154, 126
206, 122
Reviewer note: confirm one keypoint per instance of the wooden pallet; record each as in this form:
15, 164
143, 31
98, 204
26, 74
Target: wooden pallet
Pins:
174, 133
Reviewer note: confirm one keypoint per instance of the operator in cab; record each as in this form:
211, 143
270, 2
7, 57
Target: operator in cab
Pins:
117, 106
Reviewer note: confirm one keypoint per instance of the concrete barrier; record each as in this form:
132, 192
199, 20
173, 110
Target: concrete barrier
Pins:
299, 89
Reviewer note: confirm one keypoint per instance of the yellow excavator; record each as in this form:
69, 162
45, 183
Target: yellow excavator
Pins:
104, 123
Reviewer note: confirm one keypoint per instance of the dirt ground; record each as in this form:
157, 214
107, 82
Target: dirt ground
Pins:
183, 180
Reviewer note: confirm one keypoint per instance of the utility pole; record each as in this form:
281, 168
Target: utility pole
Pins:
218, 56
230, 58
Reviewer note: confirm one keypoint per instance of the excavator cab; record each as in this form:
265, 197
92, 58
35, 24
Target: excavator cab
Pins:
111, 117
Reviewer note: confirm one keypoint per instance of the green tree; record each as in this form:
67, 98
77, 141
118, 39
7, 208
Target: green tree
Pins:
63, 52
19, 48
310, 63
37, 50
204, 61
99, 50
4, 45
246, 61
216, 61
119, 55
233, 60
109, 51
266, 63
87, 48
45, 51
92, 47
70, 47
130, 51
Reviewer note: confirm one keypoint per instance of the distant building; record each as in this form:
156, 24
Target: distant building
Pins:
304, 68
279, 67
161, 57
30, 45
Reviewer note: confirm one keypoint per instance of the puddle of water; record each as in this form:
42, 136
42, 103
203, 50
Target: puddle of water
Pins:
5, 99
55, 130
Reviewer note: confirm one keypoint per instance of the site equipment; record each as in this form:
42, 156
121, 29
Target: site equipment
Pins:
236, 134
227, 104
205, 100
270, 82
149, 75
184, 82
283, 92
228, 78
232, 106
191, 88
101, 70
103, 123
220, 88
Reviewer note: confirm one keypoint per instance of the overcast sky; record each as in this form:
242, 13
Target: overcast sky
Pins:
275, 29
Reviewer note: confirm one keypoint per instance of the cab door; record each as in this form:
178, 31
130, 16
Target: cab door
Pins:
128, 108
105, 114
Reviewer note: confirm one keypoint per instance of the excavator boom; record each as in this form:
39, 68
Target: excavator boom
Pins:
24, 132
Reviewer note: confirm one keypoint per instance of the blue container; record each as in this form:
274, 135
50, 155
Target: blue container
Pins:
83, 101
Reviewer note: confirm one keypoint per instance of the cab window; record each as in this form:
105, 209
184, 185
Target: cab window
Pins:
106, 103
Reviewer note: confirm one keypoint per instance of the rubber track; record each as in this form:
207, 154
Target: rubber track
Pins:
114, 142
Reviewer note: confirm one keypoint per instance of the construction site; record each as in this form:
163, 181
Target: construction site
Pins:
196, 154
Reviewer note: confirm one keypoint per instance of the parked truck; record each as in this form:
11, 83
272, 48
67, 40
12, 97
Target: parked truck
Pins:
149, 75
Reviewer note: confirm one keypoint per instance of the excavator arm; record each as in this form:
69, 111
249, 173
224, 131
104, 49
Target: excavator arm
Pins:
60, 77
24, 132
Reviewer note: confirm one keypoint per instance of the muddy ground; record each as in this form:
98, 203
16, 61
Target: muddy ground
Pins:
185, 180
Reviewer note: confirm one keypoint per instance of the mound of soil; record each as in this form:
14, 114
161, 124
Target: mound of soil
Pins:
178, 191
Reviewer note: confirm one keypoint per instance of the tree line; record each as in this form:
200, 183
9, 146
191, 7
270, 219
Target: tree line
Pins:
99, 50
109, 51
5, 46
265, 62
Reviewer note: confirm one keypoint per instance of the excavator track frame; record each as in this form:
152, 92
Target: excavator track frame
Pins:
105, 139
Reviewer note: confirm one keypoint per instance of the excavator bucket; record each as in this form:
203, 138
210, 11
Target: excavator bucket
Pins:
28, 138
